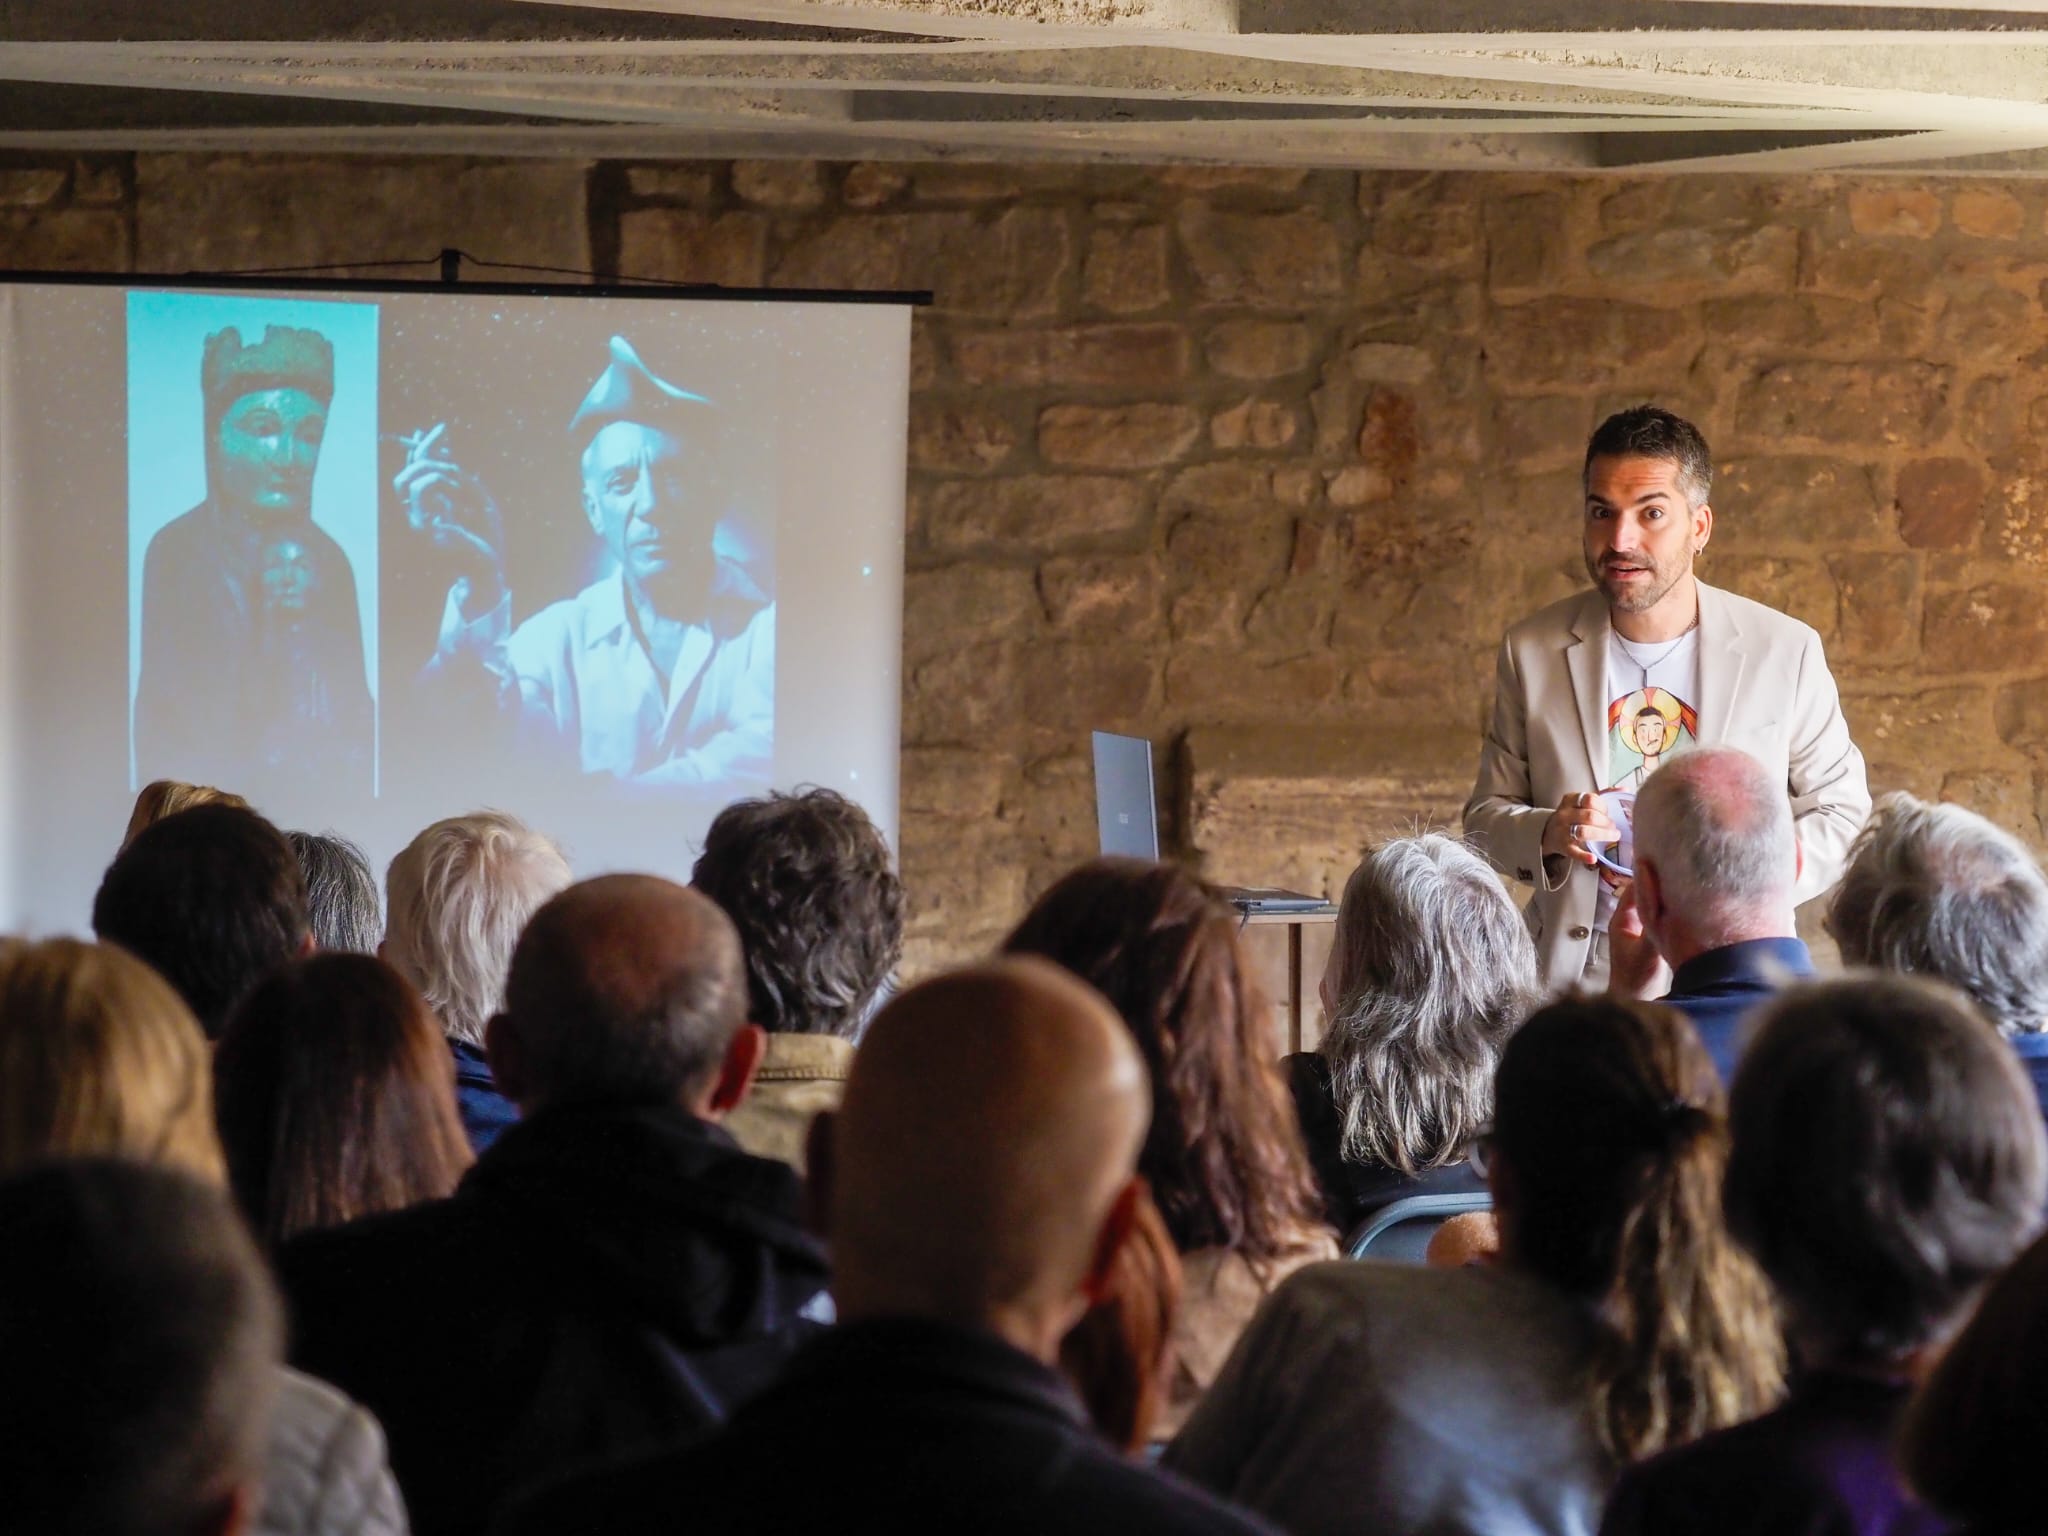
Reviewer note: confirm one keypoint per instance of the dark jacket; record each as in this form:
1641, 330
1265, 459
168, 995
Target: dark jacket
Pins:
2032, 1051
1818, 1466
1352, 1192
604, 1280
1718, 990
485, 1111
900, 1426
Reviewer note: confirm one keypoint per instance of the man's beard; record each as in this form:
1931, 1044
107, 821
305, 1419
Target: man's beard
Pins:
1637, 596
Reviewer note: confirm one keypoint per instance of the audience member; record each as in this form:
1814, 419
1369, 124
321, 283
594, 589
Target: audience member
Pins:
335, 1098
1431, 969
1716, 861
456, 900
167, 797
341, 893
1974, 1428
1223, 1157
1888, 1161
213, 899
978, 1184
1499, 1400
1936, 890
100, 1058
806, 879
142, 1340
614, 1272
1120, 1355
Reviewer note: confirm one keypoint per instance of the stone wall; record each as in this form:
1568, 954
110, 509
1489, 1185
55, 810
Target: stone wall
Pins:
1260, 463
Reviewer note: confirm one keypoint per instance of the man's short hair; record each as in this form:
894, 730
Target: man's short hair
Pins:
604, 1015
213, 898
1648, 432
806, 879
1888, 1158
1719, 831
142, 1339
1936, 890
456, 898
341, 893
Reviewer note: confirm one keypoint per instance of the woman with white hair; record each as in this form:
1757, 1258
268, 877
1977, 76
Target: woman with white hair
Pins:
1431, 970
455, 901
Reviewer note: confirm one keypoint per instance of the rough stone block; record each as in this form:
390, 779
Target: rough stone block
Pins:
1088, 355
989, 602
1258, 350
1804, 588
65, 240
1987, 213
1261, 260
870, 184
1259, 425
1234, 684
2007, 799
1527, 241
963, 889
1125, 270
959, 437
679, 245
1010, 265
1232, 549
31, 186
1120, 593
1987, 323
1693, 258
1584, 343
964, 693
1391, 439
1022, 513
1381, 362
1781, 323
1893, 209
1922, 725
1358, 485
1903, 403
1773, 502
1941, 503
952, 784
1880, 608
1544, 429
224, 212
1073, 685
1117, 436
1996, 627
2022, 715
1437, 226
778, 183
99, 180
693, 186
1275, 179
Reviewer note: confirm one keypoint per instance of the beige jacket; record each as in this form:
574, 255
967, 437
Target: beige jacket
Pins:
1764, 687
1219, 1293
800, 1076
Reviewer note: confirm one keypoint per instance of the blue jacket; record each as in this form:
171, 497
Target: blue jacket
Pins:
485, 1111
1718, 990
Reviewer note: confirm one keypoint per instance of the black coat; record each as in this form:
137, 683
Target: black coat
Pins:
605, 1280
901, 1426
1353, 1193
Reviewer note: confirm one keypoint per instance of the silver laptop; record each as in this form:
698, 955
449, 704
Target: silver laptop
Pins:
1126, 814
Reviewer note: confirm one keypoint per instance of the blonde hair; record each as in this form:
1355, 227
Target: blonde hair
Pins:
167, 797
455, 902
100, 1057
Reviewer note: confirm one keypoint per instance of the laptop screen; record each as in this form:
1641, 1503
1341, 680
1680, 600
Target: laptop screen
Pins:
1126, 817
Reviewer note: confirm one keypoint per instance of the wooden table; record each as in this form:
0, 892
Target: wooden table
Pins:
1294, 923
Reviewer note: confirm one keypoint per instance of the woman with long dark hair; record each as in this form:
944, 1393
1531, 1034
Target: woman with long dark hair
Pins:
1502, 1400
335, 1098
1223, 1155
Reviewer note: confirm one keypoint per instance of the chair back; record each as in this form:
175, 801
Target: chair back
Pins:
1400, 1232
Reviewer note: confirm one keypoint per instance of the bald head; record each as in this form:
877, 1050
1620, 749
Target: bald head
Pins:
1714, 829
988, 1137
623, 988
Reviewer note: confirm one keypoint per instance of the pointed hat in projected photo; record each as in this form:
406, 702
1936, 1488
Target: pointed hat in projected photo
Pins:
628, 391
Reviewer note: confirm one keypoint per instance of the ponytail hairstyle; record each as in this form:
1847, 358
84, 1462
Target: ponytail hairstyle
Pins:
1611, 1131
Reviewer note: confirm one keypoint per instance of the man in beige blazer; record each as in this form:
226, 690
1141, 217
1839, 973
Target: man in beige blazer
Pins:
1598, 690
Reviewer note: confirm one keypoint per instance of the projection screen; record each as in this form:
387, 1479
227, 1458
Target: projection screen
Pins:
375, 557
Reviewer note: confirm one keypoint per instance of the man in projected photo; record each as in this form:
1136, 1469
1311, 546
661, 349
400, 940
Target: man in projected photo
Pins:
661, 672
252, 644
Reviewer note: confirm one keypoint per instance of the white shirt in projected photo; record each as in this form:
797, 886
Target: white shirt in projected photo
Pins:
662, 672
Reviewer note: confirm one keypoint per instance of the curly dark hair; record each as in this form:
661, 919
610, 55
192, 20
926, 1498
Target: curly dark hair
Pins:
1224, 1154
807, 881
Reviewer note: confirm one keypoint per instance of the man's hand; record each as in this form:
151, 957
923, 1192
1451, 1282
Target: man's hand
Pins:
1634, 968
455, 509
1575, 826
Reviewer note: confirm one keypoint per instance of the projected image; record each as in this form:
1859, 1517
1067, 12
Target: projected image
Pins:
252, 531
645, 655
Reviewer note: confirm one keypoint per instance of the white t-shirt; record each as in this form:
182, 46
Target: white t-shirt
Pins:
1652, 714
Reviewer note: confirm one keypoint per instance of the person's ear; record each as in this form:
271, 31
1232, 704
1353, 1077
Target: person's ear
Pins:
308, 946
1649, 893
1110, 1239
1702, 527
506, 1054
233, 1514
1798, 859
820, 1172
736, 1073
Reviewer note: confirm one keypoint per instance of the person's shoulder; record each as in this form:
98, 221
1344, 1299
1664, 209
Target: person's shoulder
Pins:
566, 624
183, 534
327, 1457
334, 1261
1709, 1485
1112, 1495
1554, 621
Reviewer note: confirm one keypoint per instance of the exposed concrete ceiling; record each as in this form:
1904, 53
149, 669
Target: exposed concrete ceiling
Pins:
1551, 85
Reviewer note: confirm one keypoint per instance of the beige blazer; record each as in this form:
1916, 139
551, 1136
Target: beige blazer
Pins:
1764, 687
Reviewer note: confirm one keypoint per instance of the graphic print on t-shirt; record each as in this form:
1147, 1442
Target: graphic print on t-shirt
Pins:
1644, 727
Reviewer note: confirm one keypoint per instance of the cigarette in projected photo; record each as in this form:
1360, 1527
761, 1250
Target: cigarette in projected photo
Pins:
251, 666
661, 672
